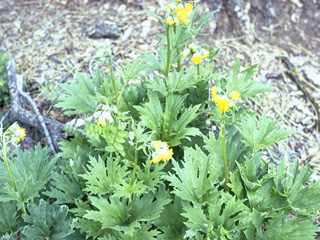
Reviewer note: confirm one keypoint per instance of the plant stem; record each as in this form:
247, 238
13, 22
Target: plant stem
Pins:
168, 52
113, 81
135, 164
224, 153
178, 51
24, 208
198, 70
6, 160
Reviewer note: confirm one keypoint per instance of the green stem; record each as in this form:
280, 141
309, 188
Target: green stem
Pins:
24, 208
113, 81
168, 52
178, 51
6, 160
135, 164
224, 153
198, 70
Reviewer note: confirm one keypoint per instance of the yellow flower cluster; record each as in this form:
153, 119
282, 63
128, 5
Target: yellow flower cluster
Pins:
198, 53
223, 102
14, 133
177, 12
162, 152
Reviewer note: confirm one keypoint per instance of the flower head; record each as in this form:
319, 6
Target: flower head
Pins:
197, 58
15, 133
20, 133
186, 22
188, 7
223, 104
214, 93
162, 152
183, 15
169, 21
206, 54
235, 95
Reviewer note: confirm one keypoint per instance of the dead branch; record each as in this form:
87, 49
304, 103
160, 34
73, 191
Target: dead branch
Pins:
52, 128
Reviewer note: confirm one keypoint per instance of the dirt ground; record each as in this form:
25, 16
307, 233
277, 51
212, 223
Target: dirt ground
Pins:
51, 40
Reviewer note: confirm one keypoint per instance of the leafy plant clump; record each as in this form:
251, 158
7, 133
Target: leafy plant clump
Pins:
169, 150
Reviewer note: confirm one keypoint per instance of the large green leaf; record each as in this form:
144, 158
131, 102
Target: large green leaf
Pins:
47, 221
116, 213
196, 180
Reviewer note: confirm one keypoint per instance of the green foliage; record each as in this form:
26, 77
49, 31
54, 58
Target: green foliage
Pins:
4, 91
267, 134
120, 215
10, 220
169, 153
196, 181
47, 221
101, 177
31, 171
165, 123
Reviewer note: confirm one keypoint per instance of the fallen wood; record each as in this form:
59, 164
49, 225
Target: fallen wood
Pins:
51, 128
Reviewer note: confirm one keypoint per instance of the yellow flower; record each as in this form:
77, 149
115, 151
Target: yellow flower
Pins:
206, 54
197, 59
189, 7
169, 21
186, 22
223, 104
102, 123
162, 155
20, 133
214, 93
183, 15
179, 8
235, 95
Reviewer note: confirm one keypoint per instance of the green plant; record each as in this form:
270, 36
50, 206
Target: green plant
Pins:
144, 166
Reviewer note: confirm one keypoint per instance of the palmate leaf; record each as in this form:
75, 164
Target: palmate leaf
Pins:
267, 134
101, 177
242, 85
78, 97
10, 220
152, 113
67, 186
151, 177
278, 228
31, 170
47, 221
196, 180
219, 220
117, 214
88, 227
125, 189
236, 149
166, 124
144, 233
171, 222
293, 184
